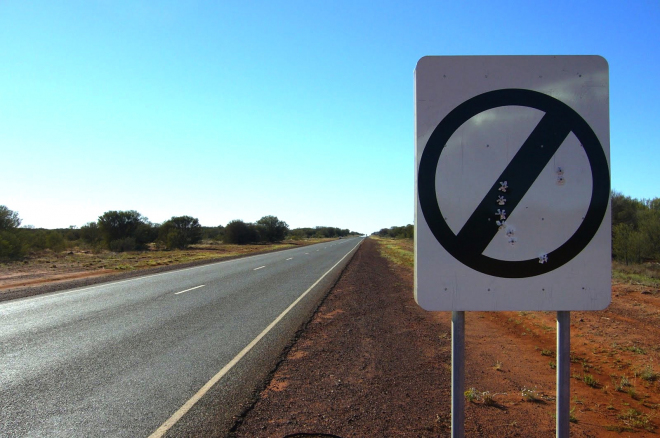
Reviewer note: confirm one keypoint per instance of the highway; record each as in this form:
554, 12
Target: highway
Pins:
172, 354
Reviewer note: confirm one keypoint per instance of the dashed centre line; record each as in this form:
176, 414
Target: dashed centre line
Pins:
290, 258
188, 290
260, 267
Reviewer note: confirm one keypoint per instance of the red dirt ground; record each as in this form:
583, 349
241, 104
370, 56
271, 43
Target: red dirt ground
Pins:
371, 363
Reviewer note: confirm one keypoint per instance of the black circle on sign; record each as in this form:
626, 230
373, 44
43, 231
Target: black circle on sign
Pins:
558, 113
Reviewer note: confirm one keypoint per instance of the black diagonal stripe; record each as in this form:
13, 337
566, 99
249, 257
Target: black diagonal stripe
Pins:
520, 174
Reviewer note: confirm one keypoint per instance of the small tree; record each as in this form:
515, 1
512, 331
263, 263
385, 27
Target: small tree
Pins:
123, 226
146, 233
624, 209
272, 229
12, 246
239, 232
649, 227
628, 244
9, 220
90, 233
179, 232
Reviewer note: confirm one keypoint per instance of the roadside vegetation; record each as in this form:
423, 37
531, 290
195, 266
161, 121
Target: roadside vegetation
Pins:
635, 229
117, 232
635, 240
396, 244
399, 251
405, 232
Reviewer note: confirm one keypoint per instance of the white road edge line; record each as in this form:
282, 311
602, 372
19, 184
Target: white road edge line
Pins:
188, 290
260, 267
215, 379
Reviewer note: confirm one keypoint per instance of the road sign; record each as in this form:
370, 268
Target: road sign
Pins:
512, 186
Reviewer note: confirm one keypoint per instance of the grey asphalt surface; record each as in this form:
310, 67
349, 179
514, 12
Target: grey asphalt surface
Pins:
118, 359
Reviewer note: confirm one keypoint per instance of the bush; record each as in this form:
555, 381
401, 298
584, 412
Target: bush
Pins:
239, 232
70, 234
180, 232
297, 234
90, 233
145, 233
55, 241
121, 245
174, 239
122, 225
34, 240
271, 229
213, 233
11, 247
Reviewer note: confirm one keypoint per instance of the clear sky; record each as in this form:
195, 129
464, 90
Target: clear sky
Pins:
299, 109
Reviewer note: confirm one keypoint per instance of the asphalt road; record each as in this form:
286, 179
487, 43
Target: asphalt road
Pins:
133, 357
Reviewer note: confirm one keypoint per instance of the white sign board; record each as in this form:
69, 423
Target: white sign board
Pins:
512, 183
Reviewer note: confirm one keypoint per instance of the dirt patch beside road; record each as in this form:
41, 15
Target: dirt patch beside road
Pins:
372, 363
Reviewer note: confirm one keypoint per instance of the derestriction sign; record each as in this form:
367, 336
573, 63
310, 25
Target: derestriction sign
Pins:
512, 183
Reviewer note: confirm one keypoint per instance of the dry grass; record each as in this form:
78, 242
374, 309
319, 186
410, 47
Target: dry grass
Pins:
647, 274
399, 251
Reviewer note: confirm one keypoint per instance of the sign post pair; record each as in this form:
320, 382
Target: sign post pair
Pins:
512, 194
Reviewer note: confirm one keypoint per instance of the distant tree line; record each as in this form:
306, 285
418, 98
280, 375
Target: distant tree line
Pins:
404, 232
128, 230
320, 232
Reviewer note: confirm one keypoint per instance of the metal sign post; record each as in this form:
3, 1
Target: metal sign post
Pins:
458, 374
563, 373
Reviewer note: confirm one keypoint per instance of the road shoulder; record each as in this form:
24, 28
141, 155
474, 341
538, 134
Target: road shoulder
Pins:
370, 363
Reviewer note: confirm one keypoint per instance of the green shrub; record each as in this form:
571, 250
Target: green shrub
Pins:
271, 229
180, 232
55, 241
90, 233
239, 232
11, 247
121, 245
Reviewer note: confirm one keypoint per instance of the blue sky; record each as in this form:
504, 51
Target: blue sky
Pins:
299, 109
